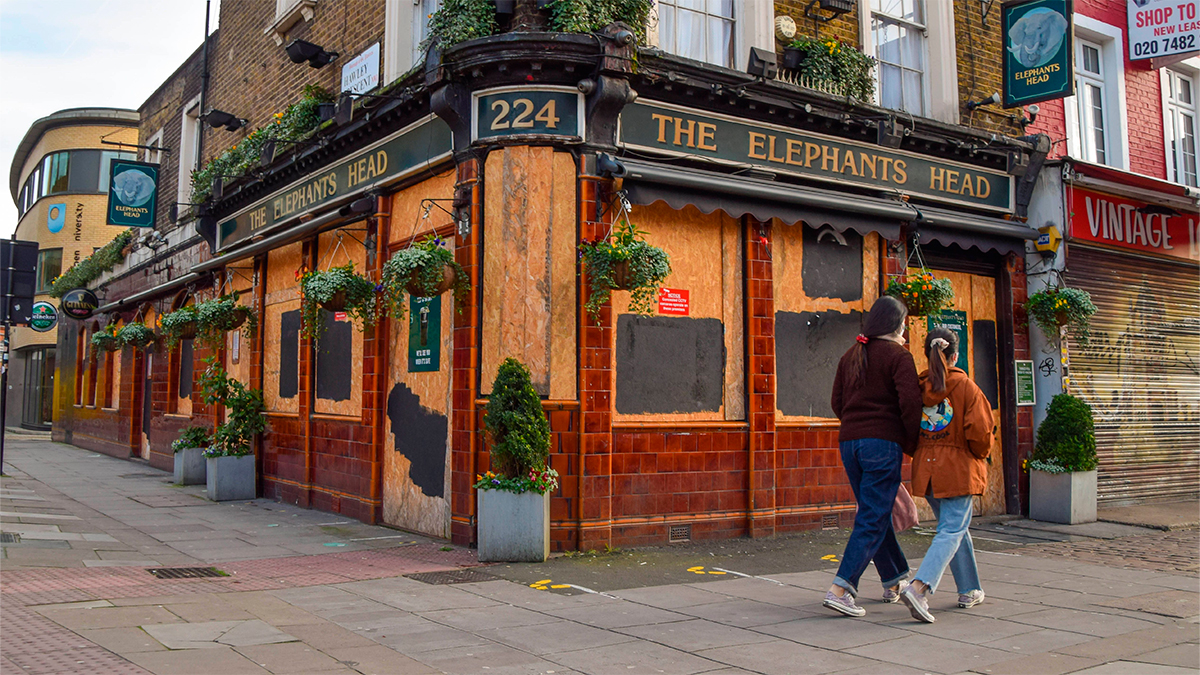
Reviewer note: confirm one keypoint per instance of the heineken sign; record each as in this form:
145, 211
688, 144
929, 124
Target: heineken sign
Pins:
407, 151
132, 193
44, 318
1038, 49
674, 130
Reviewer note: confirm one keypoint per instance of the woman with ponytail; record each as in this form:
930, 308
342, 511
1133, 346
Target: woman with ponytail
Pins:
948, 469
878, 400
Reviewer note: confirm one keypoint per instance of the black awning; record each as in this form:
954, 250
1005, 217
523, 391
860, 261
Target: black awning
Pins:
954, 228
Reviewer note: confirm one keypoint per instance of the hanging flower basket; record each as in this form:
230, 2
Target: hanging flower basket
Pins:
416, 289
424, 270
106, 339
621, 276
624, 262
336, 302
338, 289
1056, 308
182, 324
922, 293
137, 335
220, 315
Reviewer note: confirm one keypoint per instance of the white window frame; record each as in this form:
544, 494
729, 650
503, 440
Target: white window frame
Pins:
402, 21
287, 14
1188, 68
941, 65
154, 156
753, 26
189, 160
1111, 40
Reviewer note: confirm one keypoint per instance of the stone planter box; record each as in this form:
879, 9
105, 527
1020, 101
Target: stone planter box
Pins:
1063, 497
513, 527
191, 467
231, 478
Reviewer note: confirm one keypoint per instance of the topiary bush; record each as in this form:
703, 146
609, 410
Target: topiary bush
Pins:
1066, 439
516, 423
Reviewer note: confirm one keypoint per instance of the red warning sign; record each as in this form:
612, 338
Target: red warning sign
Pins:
673, 301
339, 316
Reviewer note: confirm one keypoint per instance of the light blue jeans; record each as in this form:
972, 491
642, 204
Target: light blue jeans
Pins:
952, 546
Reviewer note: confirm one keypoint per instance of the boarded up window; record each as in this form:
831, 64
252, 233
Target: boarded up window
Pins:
289, 353
185, 368
808, 346
833, 264
669, 364
335, 358
983, 333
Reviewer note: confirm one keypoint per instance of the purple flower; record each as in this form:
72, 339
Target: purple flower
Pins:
378, 288
495, 481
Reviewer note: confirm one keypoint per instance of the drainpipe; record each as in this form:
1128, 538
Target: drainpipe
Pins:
203, 86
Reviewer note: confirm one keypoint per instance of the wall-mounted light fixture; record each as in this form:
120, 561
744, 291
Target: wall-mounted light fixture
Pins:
1033, 111
890, 133
838, 7
762, 63
300, 51
220, 118
991, 100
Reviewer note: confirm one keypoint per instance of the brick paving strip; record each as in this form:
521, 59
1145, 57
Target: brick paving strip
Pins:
1161, 552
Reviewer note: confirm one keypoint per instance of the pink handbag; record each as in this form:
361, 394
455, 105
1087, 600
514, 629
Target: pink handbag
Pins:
904, 510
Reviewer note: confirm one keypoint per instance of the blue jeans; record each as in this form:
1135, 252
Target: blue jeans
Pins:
952, 545
873, 467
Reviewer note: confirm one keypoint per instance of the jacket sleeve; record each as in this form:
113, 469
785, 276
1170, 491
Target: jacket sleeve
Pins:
978, 423
908, 389
835, 400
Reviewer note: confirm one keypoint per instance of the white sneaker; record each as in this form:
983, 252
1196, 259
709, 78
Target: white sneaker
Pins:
969, 600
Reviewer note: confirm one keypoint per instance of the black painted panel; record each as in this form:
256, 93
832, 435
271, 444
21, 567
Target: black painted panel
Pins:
421, 437
335, 358
669, 364
832, 269
185, 368
808, 346
983, 335
289, 353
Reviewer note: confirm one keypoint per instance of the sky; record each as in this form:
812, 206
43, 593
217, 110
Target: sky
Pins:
57, 54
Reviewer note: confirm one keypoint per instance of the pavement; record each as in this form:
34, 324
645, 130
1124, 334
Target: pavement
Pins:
300, 591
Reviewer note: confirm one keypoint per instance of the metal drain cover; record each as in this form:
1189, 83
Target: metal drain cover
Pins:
10, 538
186, 572
467, 576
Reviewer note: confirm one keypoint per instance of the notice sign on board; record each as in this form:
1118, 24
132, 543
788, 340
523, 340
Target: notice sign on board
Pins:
1025, 390
1038, 51
954, 320
424, 334
673, 301
133, 193
1160, 28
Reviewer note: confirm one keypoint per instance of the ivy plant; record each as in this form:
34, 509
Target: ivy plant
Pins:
1054, 308
831, 61
519, 434
90, 268
590, 16
179, 325
136, 334
624, 253
1066, 439
217, 316
320, 288
461, 20
421, 268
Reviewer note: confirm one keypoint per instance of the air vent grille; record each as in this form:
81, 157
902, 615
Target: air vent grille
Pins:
829, 521
679, 533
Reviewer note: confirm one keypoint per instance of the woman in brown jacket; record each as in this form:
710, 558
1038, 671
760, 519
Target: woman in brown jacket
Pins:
949, 468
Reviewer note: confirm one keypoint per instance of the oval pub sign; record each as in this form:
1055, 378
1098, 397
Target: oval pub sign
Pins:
45, 317
79, 303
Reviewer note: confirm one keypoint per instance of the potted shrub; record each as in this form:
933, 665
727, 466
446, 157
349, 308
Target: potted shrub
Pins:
623, 261
189, 455
137, 335
181, 324
338, 289
829, 65
1062, 472
1056, 308
105, 339
514, 498
229, 473
217, 316
922, 293
423, 270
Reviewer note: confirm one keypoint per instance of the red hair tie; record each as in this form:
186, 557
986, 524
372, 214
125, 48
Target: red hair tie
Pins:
863, 339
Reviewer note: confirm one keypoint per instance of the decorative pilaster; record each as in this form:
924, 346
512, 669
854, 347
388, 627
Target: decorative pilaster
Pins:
760, 375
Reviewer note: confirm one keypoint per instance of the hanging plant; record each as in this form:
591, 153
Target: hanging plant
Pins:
216, 317
136, 334
90, 268
338, 289
105, 339
1054, 308
922, 293
182, 324
829, 62
423, 270
624, 262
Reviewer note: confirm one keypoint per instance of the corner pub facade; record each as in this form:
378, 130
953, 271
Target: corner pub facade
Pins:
785, 212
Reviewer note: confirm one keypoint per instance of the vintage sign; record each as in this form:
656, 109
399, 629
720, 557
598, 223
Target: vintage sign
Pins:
44, 318
674, 130
1132, 224
512, 111
1026, 394
78, 303
409, 150
1159, 28
956, 321
1038, 51
132, 193
673, 301
424, 334
361, 73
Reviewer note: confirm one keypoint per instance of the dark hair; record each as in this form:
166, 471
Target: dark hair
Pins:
886, 317
939, 359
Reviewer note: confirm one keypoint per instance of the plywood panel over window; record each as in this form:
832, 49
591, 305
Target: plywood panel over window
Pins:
338, 383
825, 281
240, 279
281, 326
689, 367
410, 220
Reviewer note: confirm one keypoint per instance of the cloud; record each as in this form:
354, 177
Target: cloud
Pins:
57, 54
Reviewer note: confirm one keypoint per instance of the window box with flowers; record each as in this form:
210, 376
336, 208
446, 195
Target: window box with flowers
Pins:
457, 21
831, 66
922, 293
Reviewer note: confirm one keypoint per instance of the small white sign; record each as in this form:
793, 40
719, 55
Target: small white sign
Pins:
361, 73
1160, 28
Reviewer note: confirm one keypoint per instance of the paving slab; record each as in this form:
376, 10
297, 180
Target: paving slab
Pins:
1165, 603
123, 640
1089, 623
293, 657
1170, 516
746, 613
695, 635
376, 659
220, 661
1135, 668
485, 618
1123, 646
636, 658
1097, 530
110, 617
833, 632
784, 657
933, 653
1038, 664
1184, 656
671, 597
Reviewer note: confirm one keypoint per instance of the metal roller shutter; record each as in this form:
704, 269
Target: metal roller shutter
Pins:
1140, 373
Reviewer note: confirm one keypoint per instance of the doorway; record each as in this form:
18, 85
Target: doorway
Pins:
37, 410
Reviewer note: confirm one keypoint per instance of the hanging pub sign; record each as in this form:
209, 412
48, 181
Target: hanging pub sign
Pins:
1159, 28
1038, 51
132, 194
79, 303
424, 334
44, 318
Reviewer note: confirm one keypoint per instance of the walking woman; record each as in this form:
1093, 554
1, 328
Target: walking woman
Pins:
948, 469
878, 400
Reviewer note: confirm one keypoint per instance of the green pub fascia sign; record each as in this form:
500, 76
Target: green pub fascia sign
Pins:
1038, 51
132, 193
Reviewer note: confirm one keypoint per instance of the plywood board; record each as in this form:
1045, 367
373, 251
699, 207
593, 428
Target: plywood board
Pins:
334, 250
283, 295
410, 221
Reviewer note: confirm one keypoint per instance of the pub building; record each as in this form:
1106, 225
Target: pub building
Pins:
1131, 242
785, 212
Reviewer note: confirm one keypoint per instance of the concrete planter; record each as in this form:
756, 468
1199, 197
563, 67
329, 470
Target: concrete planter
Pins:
190, 467
231, 478
1063, 497
513, 527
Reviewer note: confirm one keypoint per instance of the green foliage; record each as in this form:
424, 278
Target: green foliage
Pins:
922, 293
192, 437
177, 324
1066, 438
319, 287
461, 20
244, 410
300, 119
840, 64
1056, 307
215, 317
105, 339
516, 423
136, 334
424, 263
648, 266
90, 268
590, 16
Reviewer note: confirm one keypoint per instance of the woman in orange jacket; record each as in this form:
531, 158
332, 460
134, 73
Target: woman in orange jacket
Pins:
949, 468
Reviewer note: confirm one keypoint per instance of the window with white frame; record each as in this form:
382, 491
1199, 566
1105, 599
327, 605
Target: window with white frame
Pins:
1097, 123
155, 142
189, 147
1091, 102
1180, 126
423, 10
899, 32
703, 30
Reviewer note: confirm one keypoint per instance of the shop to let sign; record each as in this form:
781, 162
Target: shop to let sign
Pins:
1133, 224
424, 334
1025, 391
1037, 51
1159, 28
673, 301
512, 111
132, 194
